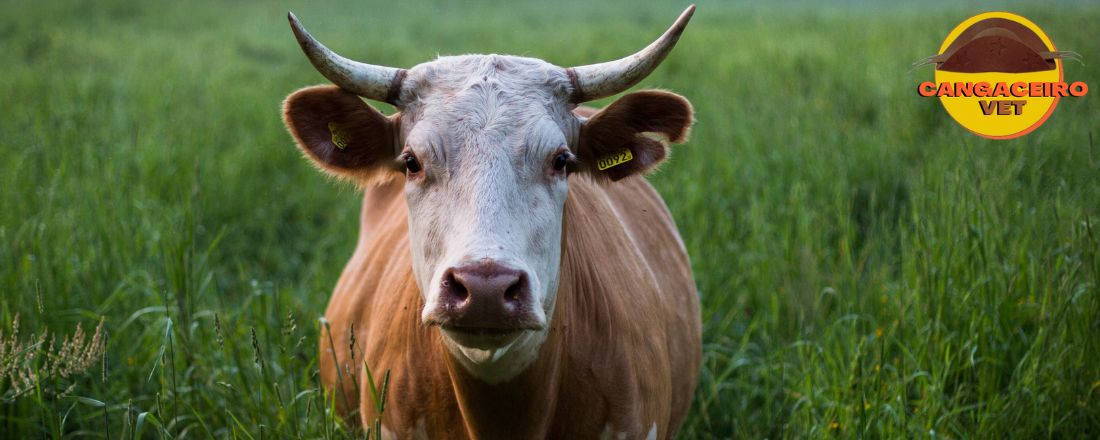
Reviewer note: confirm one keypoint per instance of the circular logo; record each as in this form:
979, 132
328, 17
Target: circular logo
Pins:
999, 75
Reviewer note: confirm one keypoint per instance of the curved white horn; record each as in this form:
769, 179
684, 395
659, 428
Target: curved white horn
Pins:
379, 83
596, 81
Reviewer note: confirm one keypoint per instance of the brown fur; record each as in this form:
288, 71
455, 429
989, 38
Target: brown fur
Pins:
624, 346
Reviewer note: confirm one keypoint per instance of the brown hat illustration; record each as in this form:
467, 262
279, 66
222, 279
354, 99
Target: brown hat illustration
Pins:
997, 45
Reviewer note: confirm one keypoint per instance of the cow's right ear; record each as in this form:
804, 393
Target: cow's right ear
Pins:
342, 134
631, 136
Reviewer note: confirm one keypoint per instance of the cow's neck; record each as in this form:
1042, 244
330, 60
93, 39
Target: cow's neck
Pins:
508, 409
500, 365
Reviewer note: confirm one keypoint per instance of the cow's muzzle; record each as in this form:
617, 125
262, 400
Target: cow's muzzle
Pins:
485, 304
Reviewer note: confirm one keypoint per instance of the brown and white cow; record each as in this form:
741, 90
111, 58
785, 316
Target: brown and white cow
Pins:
512, 287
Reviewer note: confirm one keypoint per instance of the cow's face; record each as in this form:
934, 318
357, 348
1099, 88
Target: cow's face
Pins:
486, 145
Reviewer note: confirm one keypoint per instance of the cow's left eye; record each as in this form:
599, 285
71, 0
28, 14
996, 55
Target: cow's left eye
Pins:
412, 165
560, 160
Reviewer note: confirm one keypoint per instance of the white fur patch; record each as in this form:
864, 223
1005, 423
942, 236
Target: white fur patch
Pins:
496, 366
609, 433
421, 429
485, 128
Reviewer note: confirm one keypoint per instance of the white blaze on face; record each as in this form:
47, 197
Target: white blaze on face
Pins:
485, 130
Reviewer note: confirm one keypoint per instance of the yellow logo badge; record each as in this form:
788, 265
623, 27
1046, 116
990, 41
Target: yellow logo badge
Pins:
999, 75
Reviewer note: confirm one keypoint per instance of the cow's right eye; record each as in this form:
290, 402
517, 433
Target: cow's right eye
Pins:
560, 161
411, 164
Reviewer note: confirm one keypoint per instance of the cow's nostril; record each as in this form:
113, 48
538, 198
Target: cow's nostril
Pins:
453, 288
516, 289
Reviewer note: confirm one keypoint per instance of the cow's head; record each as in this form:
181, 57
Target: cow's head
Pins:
485, 144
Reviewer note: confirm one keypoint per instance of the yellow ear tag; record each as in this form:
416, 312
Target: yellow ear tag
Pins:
614, 159
340, 135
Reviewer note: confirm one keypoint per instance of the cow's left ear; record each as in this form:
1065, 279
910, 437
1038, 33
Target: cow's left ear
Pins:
631, 135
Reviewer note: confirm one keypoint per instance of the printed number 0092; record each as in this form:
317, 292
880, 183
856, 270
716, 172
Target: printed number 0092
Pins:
614, 159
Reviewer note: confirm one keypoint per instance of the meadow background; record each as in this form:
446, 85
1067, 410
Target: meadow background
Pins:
867, 268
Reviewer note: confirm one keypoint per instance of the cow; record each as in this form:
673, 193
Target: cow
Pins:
514, 271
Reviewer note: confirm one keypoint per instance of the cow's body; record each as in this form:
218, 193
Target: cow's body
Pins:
621, 358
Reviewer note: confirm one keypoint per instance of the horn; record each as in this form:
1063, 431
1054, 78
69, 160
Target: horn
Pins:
379, 83
596, 81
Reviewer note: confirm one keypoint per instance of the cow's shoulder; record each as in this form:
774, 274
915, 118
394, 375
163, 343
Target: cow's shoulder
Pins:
625, 229
627, 306
375, 289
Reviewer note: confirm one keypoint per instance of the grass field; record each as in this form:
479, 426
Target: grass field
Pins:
866, 266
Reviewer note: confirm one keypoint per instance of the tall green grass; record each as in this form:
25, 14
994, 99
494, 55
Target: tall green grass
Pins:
867, 267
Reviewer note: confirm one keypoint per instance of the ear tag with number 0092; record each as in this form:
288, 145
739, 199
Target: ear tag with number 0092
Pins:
340, 136
614, 159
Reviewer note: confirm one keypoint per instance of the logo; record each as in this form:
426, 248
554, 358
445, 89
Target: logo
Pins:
999, 75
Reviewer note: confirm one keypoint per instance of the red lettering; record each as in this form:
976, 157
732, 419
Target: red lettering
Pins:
1037, 89
981, 89
927, 88
945, 90
1078, 88
964, 89
1058, 89
1019, 89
